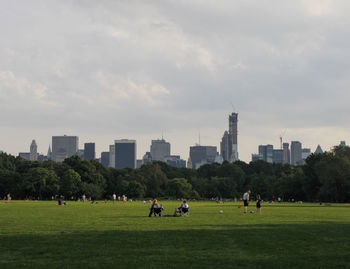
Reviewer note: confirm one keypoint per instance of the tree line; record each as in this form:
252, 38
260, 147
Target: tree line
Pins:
324, 178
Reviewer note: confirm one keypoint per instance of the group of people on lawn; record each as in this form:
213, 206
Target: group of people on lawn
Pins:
156, 208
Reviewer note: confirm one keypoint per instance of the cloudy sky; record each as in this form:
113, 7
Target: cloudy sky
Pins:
106, 70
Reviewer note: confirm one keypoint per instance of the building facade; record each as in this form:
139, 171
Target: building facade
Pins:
89, 151
64, 147
286, 153
229, 141
305, 153
296, 153
33, 156
159, 150
200, 155
112, 156
233, 132
125, 154
105, 158
175, 161
278, 156
266, 153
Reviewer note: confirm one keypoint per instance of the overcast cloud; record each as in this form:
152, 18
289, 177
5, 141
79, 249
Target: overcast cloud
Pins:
106, 70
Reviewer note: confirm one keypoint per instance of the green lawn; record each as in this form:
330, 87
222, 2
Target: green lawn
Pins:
81, 235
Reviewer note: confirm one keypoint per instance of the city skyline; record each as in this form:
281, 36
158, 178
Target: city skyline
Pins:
303, 152
135, 69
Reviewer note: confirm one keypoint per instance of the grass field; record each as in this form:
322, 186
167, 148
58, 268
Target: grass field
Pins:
81, 235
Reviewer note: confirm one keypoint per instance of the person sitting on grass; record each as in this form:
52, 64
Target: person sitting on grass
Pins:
182, 209
156, 209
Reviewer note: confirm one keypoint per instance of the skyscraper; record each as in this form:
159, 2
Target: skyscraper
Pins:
112, 156
147, 158
64, 147
125, 153
33, 156
226, 146
305, 153
200, 155
89, 151
266, 153
233, 132
159, 150
286, 153
229, 143
175, 161
255, 157
296, 153
105, 158
278, 156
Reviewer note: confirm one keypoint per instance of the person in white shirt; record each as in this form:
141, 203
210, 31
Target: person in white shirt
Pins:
182, 209
246, 200
114, 197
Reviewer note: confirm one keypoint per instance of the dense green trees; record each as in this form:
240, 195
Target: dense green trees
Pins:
324, 177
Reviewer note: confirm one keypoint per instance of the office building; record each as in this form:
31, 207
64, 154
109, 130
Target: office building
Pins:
229, 141
105, 158
147, 158
286, 153
125, 154
233, 132
80, 153
33, 156
138, 164
89, 151
226, 146
305, 153
296, 153
278, 156
112, 156
159, 150
255, 157
200, 155
175, 161
24, 155
266, 153
64, 147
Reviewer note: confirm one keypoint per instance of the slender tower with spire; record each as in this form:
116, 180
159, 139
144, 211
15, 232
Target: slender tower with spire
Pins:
49, 153
33, 155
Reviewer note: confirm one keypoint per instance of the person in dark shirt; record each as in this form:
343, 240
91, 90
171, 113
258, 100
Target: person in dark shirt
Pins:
258, 204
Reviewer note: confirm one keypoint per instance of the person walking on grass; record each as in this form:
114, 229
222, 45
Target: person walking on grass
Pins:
246, 201
258, 204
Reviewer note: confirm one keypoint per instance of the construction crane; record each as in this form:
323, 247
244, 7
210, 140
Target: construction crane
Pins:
281, 138
233, 107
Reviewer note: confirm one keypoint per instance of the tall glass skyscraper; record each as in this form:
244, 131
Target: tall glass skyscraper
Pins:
229, 141
125, 153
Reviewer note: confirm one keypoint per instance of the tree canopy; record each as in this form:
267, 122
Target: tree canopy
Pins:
324, 177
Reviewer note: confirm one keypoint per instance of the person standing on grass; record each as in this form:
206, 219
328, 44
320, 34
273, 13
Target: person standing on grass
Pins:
258, 204
114, 197
154, 204
246, 201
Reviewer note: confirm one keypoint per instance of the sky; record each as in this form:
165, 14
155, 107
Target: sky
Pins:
106, 70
